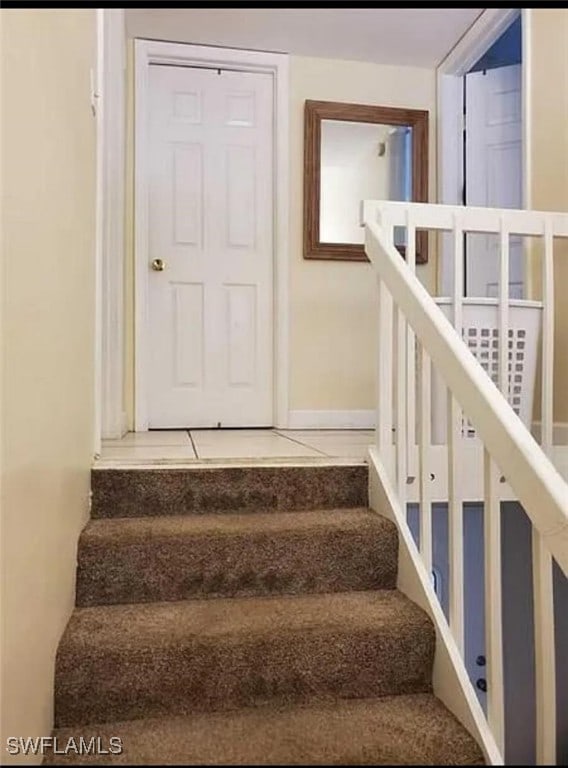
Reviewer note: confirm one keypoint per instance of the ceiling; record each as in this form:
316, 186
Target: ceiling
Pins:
419, 37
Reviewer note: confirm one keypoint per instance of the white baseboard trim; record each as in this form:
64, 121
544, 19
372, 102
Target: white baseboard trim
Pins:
559, 432
331, 419
118, 431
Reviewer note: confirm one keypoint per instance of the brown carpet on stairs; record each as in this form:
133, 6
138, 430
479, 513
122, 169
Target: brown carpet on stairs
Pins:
176, 558
204, 635
395, 730
202, 490
156, 659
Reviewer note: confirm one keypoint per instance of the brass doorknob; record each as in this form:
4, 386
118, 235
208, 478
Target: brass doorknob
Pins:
158, 265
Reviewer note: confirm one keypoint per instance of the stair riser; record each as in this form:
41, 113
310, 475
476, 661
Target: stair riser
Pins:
96, 685
153, 492
177, 568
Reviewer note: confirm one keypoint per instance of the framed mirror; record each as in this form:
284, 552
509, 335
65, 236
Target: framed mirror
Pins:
355, 152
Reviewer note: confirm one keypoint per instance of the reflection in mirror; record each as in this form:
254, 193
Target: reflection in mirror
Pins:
361, 161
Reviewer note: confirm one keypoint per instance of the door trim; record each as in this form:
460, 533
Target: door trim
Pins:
112, 102
148, 52
109, 108
486, 29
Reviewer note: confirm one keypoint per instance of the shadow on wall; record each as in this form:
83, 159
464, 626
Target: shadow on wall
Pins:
518, 642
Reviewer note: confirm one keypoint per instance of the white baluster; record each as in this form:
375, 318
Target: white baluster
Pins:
544, 652
424, 387
503, 311
547, 338
455, 463
493, 610
411, 353
545, 661
455, 522
400, 399
385, 370
458, 273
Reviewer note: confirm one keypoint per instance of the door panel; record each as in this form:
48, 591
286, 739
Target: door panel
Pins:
187, 194
493, 171
210, 221
187, 332
241, 321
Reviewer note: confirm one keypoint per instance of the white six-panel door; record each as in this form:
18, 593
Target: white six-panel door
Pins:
211, 224
493, 171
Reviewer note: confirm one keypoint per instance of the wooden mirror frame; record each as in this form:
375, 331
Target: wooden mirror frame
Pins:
314, 113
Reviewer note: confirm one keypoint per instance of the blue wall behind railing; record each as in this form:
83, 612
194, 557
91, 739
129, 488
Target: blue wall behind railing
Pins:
518, 633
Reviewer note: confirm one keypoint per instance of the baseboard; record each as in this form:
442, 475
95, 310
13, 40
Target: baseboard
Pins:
117, 433
124, 423
559, 432
331, 419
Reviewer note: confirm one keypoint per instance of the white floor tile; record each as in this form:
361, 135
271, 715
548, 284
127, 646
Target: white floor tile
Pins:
219, 447
354, 450
210, 435
155, 437
334, 441
342, 434
234, 444
148, 452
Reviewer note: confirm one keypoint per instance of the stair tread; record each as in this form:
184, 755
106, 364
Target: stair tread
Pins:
235, 524
120, 625
406, 729
122, 662
173, 558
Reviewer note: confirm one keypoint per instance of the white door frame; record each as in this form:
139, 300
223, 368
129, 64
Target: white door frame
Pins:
477, 40
108, 89
147, 52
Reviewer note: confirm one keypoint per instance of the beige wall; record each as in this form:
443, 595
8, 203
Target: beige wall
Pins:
547, 60
332, 304
333, 316
48, 209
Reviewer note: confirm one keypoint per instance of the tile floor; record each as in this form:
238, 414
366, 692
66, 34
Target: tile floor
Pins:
338, 446
233, 444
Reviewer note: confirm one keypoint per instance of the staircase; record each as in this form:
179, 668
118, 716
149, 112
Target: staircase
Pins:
247, 615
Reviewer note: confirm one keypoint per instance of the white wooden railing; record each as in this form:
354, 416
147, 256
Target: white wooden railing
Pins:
504, 454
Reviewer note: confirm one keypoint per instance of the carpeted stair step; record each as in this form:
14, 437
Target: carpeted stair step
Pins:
175, 558
154, 491
394, 730
157, 659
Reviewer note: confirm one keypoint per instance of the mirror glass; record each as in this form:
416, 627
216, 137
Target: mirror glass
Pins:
355, 152
361, 161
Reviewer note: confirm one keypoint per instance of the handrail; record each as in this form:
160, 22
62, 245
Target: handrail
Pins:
528, 470
507, 461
